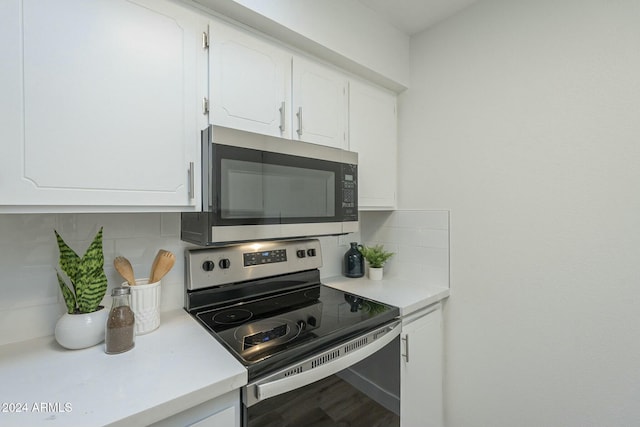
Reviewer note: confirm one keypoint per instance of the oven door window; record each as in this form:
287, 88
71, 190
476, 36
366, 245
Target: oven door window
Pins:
255, 187
366, 394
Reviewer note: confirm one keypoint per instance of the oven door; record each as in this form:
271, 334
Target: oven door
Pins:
357, 382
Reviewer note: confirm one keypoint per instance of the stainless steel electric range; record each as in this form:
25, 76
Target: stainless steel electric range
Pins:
265, 303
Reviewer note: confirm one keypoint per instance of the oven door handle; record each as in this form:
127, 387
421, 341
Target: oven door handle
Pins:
269, 387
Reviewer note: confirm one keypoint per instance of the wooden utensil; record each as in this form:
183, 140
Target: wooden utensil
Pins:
154, 264
123, 266
161, 265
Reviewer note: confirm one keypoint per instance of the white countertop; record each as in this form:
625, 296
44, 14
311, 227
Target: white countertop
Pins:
169, 370
407, 295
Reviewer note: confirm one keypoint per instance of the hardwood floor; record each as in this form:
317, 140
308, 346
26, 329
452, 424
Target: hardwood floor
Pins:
331, 402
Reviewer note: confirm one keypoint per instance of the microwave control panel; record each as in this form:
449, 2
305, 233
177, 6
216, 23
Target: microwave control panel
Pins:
349, 191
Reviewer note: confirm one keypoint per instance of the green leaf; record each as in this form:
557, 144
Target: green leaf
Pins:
69, 298
69, 260
92, 281
86, 274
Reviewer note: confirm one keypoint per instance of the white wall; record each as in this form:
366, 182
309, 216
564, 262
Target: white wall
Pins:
522, 119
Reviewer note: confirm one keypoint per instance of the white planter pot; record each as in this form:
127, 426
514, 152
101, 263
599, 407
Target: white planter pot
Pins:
75, 331
375, 273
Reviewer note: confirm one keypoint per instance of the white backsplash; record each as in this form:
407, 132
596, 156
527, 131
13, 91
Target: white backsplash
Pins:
418, 239
31, 301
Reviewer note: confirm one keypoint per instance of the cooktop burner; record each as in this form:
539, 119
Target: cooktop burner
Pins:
231, 316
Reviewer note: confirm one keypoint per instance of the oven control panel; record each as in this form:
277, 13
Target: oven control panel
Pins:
265, 257
222, 265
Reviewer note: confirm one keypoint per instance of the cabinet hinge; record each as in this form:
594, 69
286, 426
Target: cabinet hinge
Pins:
205, 40
205, 105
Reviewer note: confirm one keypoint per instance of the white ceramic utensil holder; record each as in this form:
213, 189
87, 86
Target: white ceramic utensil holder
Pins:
145, 303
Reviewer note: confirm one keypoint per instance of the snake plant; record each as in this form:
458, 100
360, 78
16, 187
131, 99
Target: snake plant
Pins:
86, 274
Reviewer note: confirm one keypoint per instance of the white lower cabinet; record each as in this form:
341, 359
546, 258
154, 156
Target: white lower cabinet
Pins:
421, 344
101, 105
223, 411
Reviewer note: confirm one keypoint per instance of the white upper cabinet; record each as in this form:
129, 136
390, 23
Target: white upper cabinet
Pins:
261, 87
373, 134
319, 104
102, 102
250, 82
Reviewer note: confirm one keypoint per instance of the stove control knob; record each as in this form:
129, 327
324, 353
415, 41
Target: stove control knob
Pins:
224, 263
312, 321
302, 325
208, 265
311, 252
301, 253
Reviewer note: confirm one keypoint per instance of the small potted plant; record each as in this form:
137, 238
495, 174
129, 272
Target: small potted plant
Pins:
376, 256
83, 325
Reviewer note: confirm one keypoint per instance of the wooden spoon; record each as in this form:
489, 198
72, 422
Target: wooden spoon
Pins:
155, 263
123, 266
161, 265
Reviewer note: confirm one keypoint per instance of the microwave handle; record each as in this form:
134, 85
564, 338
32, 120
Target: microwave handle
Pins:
299, 114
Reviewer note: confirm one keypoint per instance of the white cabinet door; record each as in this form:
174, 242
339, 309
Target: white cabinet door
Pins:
250, 82
319, 104
11, 100
105, 108
225, 418
421, 369
223, 411
373, 134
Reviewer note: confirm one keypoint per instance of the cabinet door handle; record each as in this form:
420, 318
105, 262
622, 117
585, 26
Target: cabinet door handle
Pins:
191, 182
282, 118
205, 40
406, 348
299, 114
205, 106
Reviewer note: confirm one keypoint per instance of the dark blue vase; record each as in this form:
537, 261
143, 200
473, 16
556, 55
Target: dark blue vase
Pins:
353, 262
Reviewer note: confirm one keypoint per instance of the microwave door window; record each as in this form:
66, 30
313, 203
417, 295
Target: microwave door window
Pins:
251, 190
291, 192
241, 195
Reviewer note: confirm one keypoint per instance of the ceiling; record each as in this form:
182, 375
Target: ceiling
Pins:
414, 16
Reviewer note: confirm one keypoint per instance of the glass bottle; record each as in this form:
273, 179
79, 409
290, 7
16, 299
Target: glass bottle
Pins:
353, 262
120, 331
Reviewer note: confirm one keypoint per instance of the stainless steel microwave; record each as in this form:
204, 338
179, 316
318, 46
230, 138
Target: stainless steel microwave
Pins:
258, 187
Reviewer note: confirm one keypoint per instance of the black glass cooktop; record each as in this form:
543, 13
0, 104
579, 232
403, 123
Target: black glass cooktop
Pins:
269, 332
